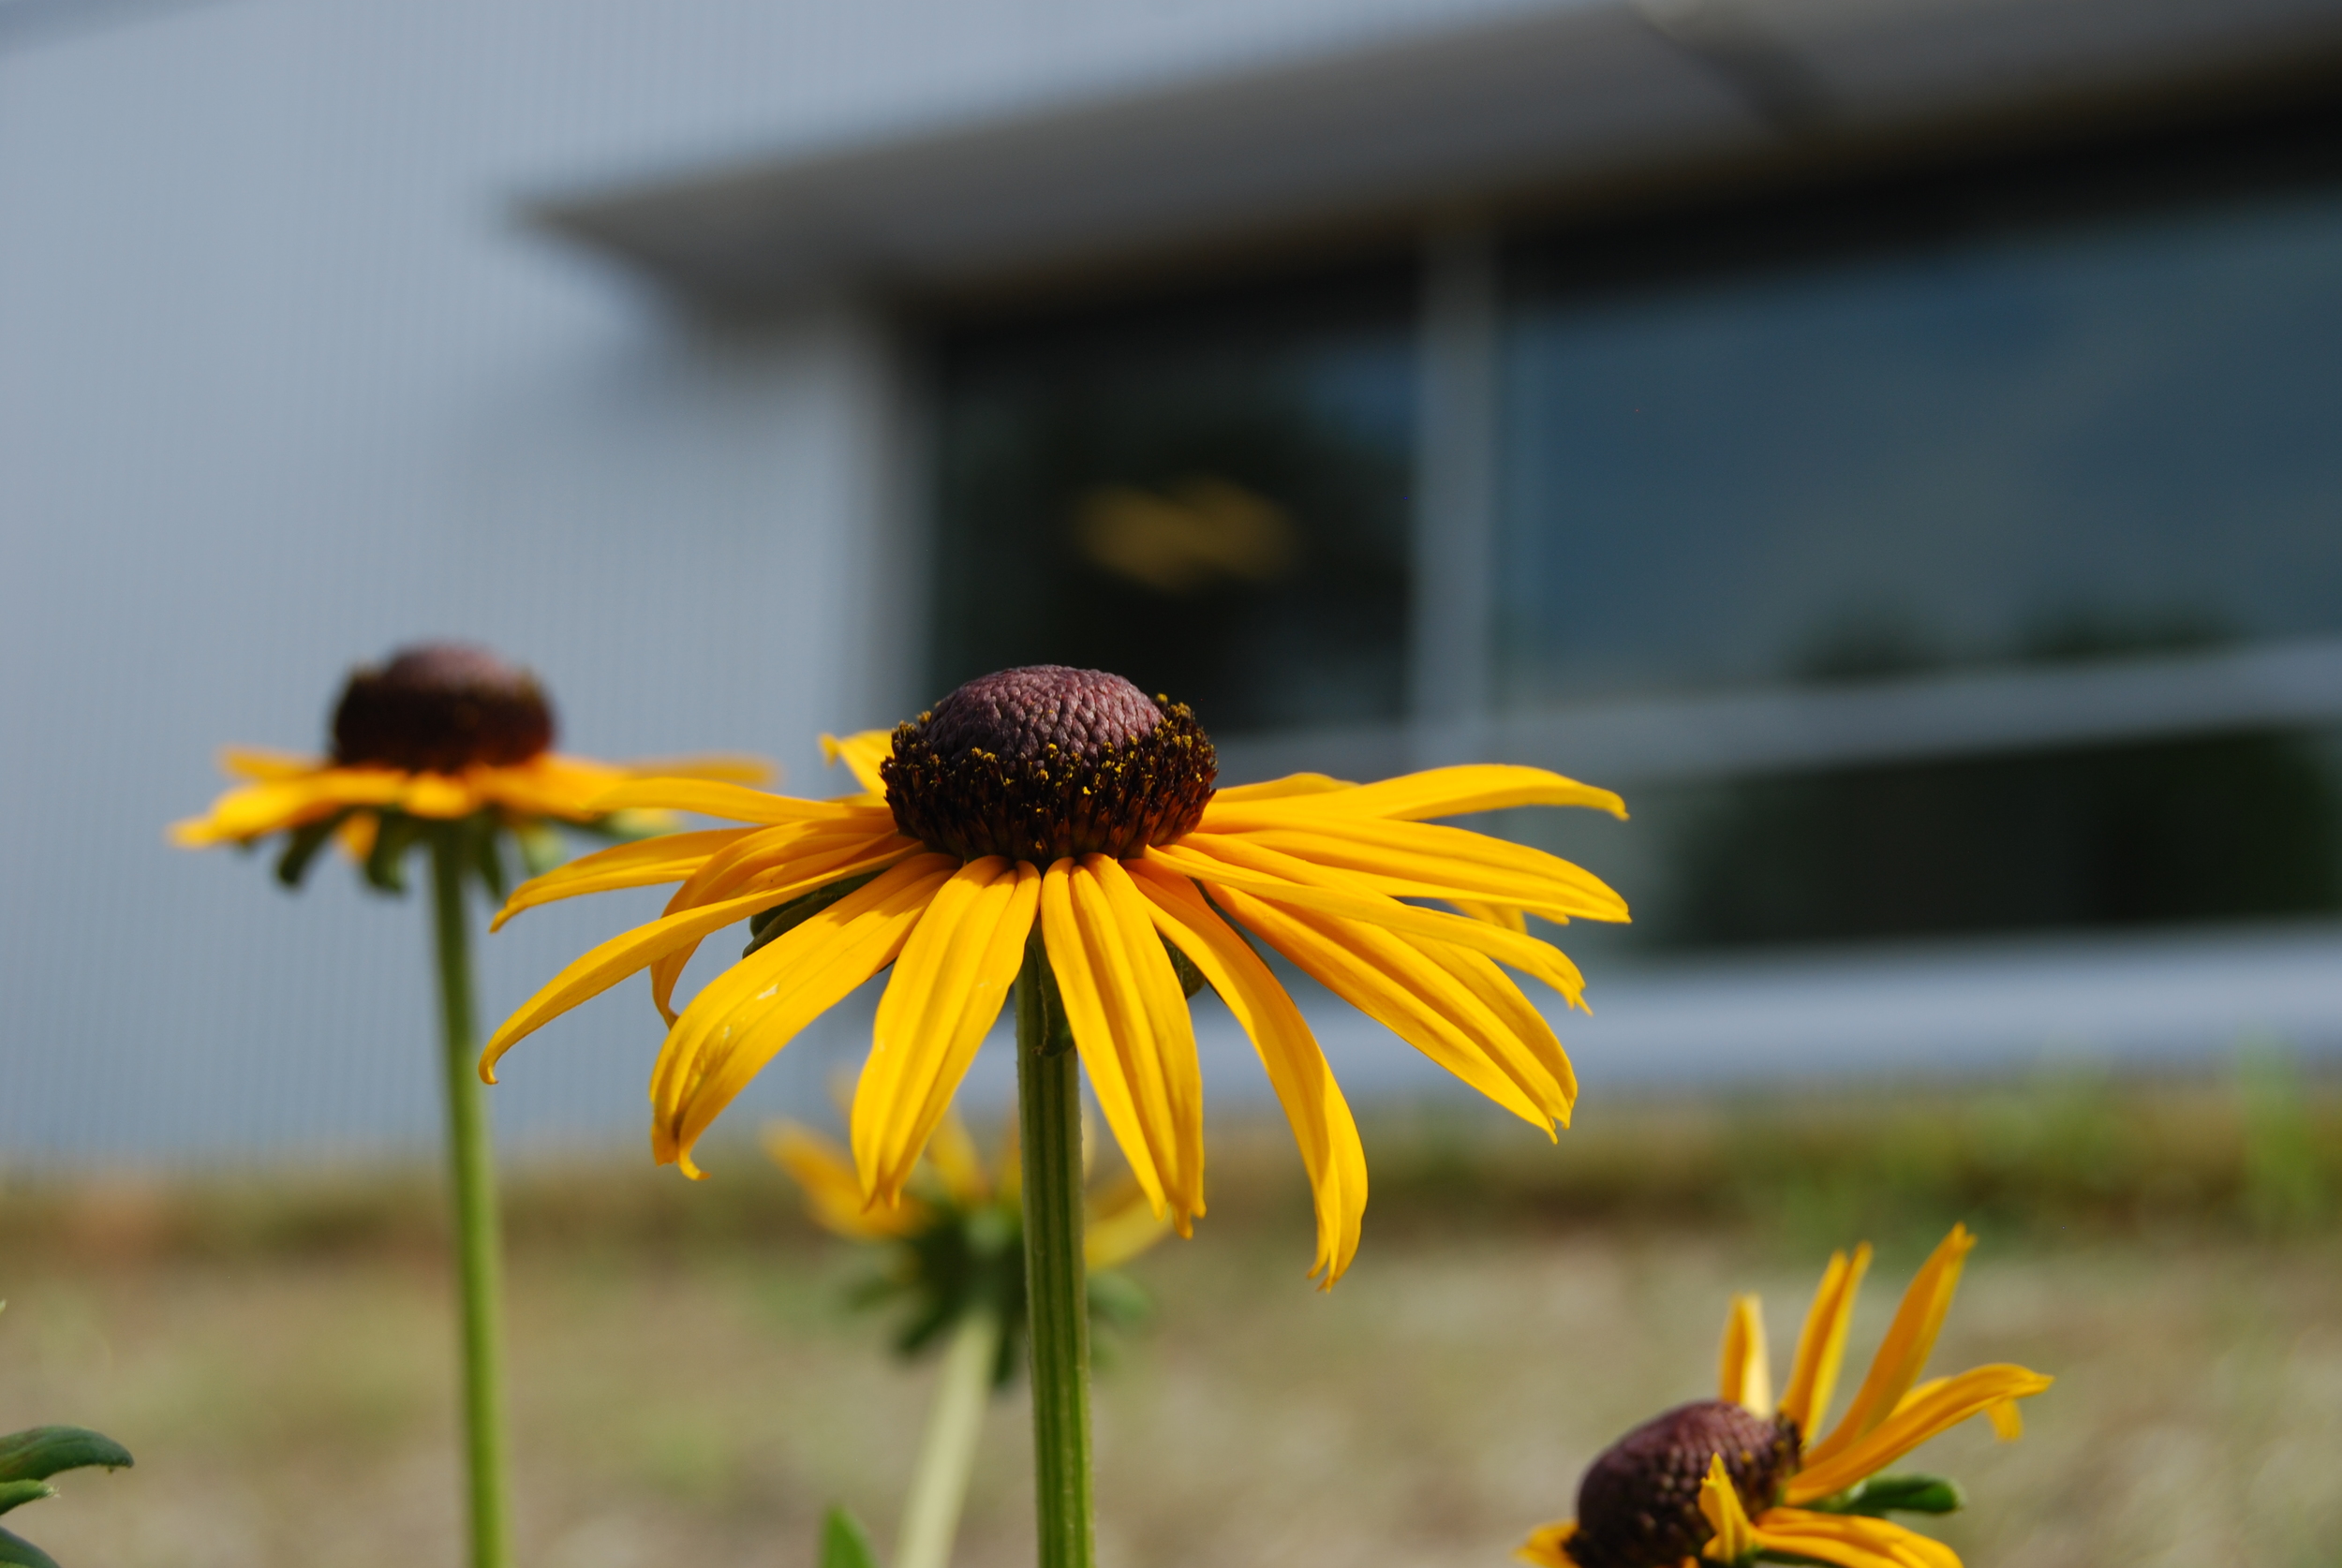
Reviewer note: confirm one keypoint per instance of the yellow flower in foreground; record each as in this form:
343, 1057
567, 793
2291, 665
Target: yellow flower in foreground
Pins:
439, 732
1067, 805
1730, 1479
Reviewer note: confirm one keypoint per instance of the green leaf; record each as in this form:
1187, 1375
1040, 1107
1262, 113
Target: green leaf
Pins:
18, 1552
782, 918
542, 847
1115, 1299
844, 1543
39, 1452
386, 867
1191, 978
486, 857
302, 846
1904, 1494
15, 1494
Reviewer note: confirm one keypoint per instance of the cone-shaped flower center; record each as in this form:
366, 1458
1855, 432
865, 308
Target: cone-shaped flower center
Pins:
1639, 1506
439, 707
1044, 761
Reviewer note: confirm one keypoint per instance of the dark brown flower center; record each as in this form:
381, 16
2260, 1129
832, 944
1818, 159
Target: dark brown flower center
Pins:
1044, 762
1639, 1506
439, 707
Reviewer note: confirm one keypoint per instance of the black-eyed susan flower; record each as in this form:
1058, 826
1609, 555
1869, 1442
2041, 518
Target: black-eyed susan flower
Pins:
1733, 1480
1068, 805
445, 747
441, 732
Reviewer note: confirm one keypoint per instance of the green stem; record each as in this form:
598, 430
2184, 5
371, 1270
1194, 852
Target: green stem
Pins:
471, 1167
948, 1454
1048, 1097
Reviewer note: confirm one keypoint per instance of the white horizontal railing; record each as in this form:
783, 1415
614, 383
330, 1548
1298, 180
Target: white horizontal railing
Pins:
1683, 739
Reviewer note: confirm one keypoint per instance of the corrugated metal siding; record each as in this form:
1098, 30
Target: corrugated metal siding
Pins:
281, 385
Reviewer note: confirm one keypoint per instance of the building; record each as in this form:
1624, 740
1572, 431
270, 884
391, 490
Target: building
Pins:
1892, 441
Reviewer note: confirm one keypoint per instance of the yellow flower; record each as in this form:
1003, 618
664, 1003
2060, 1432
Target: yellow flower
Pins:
440, 732
1121, 1223
1066, 804
1729, 1478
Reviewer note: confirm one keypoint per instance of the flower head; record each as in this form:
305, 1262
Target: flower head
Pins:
441, 732
1729, 1479
955, 1240
1066, 806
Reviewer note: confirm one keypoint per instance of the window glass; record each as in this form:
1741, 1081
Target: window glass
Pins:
2033, 445
1837, 458
1208, 496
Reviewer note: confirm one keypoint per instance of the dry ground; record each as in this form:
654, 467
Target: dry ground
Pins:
697, 1395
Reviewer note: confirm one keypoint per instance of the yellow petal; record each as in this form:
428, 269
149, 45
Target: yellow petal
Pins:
1546, 1076
724, 766
1548, 1545
546, 785
1424, 860
1279, 789
1131, 1024
947, 988
807, 864
862, 753
710, 798
1322, 1124
742, 1018
1720, 1504
603, 967
1744, 1375
833, 1194
357, 835
443, 797
258, 763
1455, 791
668, 858
1495, 914
1821, 1344
958, 1165
2008, 1420
1231, 861
1971, 1393
256, 810
1120, 1225
1849, 1540
1910, 1338
1385, 977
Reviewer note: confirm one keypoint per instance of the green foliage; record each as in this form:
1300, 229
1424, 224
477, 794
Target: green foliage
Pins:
844, 1543
302, 846
767, 924
17, 1552
15, 1494
39, 1452
1882, 1495
2286, 1185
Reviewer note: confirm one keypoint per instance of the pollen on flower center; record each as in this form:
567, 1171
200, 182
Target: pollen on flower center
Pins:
1043, 762
1639, 1506
440, 707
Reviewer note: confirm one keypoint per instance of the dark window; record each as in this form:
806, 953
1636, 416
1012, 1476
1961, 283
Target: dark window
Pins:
1209, 496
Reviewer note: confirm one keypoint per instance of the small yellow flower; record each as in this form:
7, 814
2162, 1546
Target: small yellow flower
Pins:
1068, 804
441, 732
1729, 1478
1121, 1223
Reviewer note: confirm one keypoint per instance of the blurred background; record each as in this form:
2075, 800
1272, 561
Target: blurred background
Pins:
1897, 444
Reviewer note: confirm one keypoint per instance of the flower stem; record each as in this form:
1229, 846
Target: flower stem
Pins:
948, 1454
471, 1166
1048, 1097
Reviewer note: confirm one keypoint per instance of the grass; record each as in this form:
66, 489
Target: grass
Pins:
689, 1386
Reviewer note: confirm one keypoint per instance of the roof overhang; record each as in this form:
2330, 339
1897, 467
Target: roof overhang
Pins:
1586, 95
